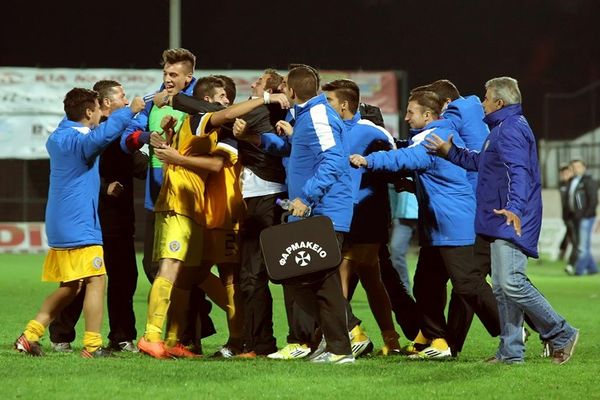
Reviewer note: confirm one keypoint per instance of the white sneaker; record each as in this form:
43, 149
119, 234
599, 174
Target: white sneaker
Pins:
62, 347
328, 357
290, 352
570, 270
226, 352
319, 350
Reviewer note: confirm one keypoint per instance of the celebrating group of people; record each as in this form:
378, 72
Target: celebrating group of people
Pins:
214, 172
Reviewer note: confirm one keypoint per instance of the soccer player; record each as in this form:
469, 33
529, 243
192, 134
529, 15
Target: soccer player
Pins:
178, 69
447, 237
179, 239
371, 219
115, 209
318, 176
75, 258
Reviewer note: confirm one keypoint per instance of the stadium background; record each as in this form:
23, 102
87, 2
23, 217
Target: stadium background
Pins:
550, 46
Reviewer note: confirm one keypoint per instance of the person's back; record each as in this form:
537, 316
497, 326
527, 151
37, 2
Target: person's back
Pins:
319, 129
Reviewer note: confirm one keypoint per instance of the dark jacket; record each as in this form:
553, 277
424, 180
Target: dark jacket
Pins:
585, 198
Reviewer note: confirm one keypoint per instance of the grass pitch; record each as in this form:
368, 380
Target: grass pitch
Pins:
132, 376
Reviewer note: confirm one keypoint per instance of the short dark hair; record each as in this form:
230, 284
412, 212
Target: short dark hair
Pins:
77, 101
173, 56
275, 79
304, 81
230, 89
345, 90
445, 89
105, 88
428, 100
314, 71
206, 86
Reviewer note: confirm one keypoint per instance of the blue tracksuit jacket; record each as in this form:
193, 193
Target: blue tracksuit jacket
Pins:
445, 197
509, 178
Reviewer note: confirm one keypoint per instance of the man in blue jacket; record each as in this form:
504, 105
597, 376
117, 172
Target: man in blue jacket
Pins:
466, 116
371, 217
75, 257
446, 215
508, 217
318, 176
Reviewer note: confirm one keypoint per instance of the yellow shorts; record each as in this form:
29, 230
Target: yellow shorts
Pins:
362, 253
67, 265
177, 237
221, 246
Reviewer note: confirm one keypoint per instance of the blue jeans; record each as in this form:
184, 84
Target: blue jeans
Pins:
516, 295
402, 231
585, 261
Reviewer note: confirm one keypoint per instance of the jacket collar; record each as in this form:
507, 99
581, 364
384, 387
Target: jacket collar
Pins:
351, 122
304, 107
497, 117
438, 123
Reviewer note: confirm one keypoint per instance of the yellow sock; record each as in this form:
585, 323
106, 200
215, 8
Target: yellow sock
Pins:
158, 305
420, 339
34, 331
177, 315
235, 317
358, 334
439, 344
92, 341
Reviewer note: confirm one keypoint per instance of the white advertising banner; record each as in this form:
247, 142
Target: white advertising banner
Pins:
31, 98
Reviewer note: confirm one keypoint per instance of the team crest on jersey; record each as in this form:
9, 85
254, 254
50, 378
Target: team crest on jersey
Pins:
174, 245
97, 262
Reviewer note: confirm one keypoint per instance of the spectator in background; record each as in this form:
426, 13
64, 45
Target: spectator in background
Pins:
583, 200
565, 176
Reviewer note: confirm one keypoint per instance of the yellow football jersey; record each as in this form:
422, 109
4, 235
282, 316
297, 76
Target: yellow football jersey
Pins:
183, 189
224, 204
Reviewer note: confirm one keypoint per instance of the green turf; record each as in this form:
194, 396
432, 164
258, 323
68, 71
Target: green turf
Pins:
135, 376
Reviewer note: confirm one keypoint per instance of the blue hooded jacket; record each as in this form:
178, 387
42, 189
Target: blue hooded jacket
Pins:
466, 115
509, 178
72, 208
318, 171
445, 197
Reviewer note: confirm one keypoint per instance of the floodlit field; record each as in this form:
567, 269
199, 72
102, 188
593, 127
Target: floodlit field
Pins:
133, 376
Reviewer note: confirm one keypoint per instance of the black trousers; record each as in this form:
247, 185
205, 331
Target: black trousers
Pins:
323, 299
403, 304
262, 212
121, 270
62, 329
467, 273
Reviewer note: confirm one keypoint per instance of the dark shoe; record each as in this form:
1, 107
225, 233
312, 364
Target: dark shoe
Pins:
126, 346
561, 356
101, 352
25, 346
